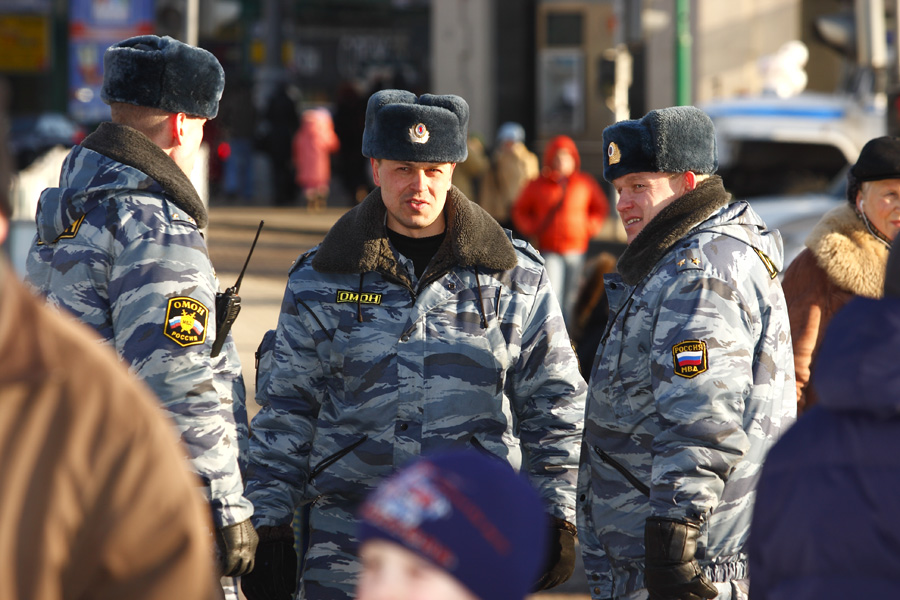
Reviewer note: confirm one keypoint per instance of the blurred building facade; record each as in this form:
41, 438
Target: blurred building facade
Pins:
556, 66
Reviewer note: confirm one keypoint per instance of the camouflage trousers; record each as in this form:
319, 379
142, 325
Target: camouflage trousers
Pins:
330, 564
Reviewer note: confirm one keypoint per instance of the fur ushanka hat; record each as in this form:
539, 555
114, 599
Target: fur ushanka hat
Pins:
429, 128
669, 140
161, 72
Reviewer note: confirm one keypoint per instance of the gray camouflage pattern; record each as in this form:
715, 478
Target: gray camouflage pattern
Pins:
691, 446
132, 252
350, 392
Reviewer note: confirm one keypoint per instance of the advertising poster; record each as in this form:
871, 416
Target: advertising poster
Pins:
94, 25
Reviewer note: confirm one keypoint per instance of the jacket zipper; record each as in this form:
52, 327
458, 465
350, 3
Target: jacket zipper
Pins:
637, 483
336, 457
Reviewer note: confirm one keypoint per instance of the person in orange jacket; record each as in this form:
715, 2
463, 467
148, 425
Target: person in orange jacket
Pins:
561, 210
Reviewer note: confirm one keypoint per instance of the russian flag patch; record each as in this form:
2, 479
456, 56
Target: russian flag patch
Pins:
690, 358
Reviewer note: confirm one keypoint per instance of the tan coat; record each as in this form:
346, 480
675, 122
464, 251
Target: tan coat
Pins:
511, 169
841, 260
95, 497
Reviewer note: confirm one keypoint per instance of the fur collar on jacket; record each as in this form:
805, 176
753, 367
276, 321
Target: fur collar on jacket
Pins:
358, 242
851, 256
131, 147
670, 225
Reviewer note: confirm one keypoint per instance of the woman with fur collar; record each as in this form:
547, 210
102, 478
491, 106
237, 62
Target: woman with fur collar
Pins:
846, 255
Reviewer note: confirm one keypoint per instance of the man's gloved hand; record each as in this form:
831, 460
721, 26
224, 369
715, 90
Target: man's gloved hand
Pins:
275, 575
236, 546
560, 555
670, 571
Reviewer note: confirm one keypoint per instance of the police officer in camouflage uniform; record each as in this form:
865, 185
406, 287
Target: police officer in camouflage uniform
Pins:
418, 324
693, 381
119, 245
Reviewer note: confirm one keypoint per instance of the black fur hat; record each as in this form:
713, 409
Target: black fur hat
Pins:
669, 140
878, 159
429, 128
161, 72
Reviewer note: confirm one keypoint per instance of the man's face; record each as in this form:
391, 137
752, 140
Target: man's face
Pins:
414, 194
563, 162
391, 572
880, 201
643, 195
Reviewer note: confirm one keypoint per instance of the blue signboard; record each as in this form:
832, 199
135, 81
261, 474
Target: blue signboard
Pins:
94, 25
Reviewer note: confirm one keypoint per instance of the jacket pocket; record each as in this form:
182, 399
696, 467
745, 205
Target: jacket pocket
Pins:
623, 471
333, 458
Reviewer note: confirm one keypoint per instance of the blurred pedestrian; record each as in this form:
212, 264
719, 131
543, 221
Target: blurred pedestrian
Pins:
349, 123
467, 175
512, 166
417, 325
95, 498
691, 385
825, 523
592, 310
119, 245
845, 255
456, 525
561, 211
238, 122
313, 145
280, 124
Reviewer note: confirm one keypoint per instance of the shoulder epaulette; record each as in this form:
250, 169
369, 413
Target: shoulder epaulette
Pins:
302, 259
770, 266
177, 214
688, 258
525, 248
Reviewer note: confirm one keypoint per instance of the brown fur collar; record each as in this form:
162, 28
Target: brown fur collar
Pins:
851, 256
131, 147
358, 243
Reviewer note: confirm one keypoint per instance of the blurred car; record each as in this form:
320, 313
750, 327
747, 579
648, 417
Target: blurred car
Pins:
32, 135
795, 215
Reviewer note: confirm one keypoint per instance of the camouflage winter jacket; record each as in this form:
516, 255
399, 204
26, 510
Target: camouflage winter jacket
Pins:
119, 245
371, 368
692, 384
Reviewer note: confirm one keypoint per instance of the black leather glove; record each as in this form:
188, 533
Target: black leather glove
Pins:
560, 561
670, 570
275, 575
236, 546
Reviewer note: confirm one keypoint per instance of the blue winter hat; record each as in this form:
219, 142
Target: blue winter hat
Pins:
161, 72
510, 132
430, 128
669, 140
467, 513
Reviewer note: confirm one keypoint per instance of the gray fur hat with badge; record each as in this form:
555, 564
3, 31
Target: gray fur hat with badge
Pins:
428, 128
669, 140
161, 72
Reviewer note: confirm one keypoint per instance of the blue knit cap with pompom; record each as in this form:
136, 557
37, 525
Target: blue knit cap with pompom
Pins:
467, 513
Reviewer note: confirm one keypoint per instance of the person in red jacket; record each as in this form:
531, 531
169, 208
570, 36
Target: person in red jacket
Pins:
561, 210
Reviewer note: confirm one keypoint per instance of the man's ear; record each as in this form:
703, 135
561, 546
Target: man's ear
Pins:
690, 181
375, 177
178, 128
